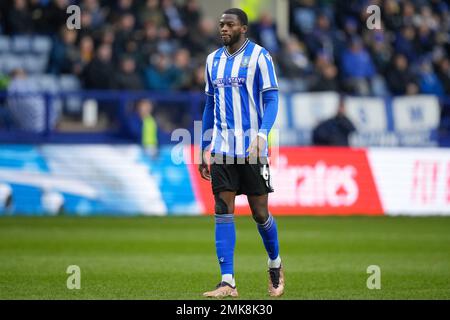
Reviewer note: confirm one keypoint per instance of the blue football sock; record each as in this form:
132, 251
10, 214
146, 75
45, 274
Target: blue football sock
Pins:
225, 242
269, 235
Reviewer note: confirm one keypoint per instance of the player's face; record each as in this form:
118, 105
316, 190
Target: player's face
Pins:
231, 29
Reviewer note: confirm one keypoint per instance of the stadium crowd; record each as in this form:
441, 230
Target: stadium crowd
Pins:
161, 45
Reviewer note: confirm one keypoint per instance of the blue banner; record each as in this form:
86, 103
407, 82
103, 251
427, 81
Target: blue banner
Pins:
92, 180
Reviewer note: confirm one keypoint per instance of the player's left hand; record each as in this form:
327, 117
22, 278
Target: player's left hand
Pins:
256, 147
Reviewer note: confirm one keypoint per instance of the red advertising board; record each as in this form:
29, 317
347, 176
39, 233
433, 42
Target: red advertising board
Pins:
311, 181
412, 181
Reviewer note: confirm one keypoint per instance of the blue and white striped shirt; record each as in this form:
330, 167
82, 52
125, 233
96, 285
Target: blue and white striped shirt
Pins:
237, 81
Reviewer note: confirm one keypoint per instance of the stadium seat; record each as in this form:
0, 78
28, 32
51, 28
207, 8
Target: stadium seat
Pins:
68, 82
21, 44
47, 82
4, 44
11, 62
35, 63
41, 44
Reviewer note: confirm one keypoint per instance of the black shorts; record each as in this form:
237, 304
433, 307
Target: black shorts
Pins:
240, 176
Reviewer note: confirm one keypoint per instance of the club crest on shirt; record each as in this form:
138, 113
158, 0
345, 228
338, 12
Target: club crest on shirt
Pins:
245, 62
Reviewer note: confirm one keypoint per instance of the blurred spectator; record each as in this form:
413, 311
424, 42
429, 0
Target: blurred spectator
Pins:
416, 29
55, 15
86, 24
124, 32
198, 79
293, 60
38, 17
166, 43
408, 14
350, 27
204, 38
426, 18
149, 43
173, 18
96, 12
161, 74
119, 9
380, 49
322, 59
105, 36
399, 77
324, 38
127, 78
141, 127
303, 15
405, 43
391, 17
429, 83
132, 50
182, 66
443, 73
98, 74
86, 51
19, 18
334, 131
424, 39
348, 10
150, 13
265, 33
357, 68
27, 104
65, 53
327, 80
191, 14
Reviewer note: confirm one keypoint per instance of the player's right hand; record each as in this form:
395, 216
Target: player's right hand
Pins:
204, 171
203, 167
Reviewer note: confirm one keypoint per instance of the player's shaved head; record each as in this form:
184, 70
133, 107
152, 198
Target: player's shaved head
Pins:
241, 15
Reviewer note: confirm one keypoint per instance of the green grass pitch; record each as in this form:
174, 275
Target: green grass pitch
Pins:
174, 257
